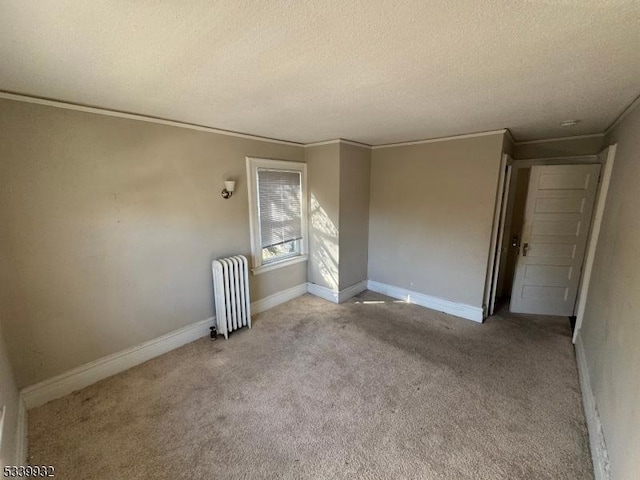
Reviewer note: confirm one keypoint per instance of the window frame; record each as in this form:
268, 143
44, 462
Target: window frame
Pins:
253, 164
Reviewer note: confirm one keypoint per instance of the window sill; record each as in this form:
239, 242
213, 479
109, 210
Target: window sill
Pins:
280, 264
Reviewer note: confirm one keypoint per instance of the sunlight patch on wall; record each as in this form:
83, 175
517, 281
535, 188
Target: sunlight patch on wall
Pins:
324, 238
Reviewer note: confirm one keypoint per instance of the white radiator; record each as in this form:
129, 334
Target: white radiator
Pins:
231, 290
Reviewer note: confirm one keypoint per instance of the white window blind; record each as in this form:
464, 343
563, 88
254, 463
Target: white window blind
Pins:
280, 206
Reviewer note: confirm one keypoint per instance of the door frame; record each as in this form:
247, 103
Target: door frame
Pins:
495, 231
500, 240
580, 238
592, 242
594, 235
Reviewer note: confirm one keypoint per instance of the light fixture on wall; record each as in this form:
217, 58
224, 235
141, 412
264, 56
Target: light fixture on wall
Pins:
569, 123
229, 187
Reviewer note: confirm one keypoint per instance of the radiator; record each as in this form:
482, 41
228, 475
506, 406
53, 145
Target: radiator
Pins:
231, 290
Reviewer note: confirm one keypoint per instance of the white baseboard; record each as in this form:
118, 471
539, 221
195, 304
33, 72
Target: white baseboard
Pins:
323, 292
599, 454
21, 434
278, 298
352, 291
457, 309
335, 296
92, 372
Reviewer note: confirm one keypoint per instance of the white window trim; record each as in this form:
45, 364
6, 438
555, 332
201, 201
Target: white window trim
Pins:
253, 164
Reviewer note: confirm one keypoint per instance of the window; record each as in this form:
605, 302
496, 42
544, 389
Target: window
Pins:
278, 208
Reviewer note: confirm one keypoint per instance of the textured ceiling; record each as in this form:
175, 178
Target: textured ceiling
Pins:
308, 70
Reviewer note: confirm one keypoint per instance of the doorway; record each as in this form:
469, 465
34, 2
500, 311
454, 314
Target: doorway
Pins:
546, 275
553, 239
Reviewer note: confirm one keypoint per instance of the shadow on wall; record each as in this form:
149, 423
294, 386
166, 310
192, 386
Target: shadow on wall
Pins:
324, 238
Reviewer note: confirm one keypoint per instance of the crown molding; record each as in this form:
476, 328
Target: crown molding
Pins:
174, 123
441, 139
630, 108
510, 136
135, 116
338, 140
560, 139
354, 143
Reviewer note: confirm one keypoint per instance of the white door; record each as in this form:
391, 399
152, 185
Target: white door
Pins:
554, 237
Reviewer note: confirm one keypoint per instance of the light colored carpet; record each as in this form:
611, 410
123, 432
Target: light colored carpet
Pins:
370, 389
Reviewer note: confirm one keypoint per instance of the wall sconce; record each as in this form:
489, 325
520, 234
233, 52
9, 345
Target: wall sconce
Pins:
229, 187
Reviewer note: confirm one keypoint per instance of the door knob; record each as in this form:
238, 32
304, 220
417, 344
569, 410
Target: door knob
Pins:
525, 248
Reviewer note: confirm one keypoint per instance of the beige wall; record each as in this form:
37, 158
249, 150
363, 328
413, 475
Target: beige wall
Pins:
508, 146
591, 145
338, 177
8, 399
432, 209
355, 174
323, 178
111, 225
8, 387
611, 326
